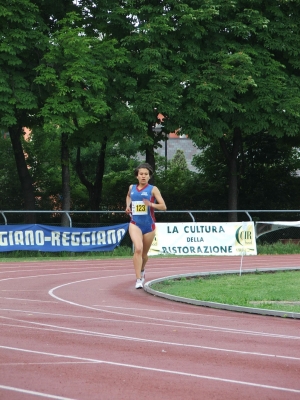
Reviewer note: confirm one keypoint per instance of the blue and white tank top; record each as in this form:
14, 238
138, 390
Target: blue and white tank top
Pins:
141, 213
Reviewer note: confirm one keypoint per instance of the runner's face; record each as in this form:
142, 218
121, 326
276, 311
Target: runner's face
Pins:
143, 176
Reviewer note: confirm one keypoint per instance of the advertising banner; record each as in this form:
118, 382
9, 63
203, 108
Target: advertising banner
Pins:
53, 238
217, 239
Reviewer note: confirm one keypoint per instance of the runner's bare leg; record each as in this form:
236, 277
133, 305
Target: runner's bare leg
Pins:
147, 241
142, 245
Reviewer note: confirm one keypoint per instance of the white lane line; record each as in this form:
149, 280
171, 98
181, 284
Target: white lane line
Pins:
41, 263
164, 324
61, 329
59, 274
78, 272
159, 370
171, 324
15, 271
163, 311
46, 363
227, 330
48, 396
39, 301
21, 290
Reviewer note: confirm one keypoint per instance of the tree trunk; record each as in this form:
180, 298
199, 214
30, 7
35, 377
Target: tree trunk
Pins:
94, 190
23, 172
233, 191
65, 176
99, 175
233, 172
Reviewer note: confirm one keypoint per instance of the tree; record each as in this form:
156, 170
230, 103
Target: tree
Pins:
179, 161
120, 157
150, 80
25, 26
268, 178
75, 73
21, 40
241, 80
11, 193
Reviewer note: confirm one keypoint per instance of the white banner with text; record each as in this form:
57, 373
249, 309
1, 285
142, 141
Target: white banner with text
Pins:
197, 238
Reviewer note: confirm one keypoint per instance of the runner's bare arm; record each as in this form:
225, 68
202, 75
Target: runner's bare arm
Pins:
160, 205
128, 201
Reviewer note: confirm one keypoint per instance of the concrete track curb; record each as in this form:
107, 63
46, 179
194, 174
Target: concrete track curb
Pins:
229, 307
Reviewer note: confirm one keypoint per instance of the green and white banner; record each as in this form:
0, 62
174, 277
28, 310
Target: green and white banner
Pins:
217, 239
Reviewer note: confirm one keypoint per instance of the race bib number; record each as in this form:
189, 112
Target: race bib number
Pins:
139, 208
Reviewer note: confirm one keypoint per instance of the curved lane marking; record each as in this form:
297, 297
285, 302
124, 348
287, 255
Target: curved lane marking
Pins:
199, 326
61, 329
159, 370
194, 326
40, 394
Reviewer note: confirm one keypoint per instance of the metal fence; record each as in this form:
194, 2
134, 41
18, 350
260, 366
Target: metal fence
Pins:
82, 219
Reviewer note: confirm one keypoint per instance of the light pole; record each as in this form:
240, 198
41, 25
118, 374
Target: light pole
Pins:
157, 128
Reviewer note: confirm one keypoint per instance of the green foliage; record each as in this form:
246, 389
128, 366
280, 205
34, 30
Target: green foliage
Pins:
116, 185
180, 188
278, 248
150, 80
74, 71
179, 161
268, 173
235, 80
107, 68
11, 194
122, 155
43, 160
21, 41
119, 166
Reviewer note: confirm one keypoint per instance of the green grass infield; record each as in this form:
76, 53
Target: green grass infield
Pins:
270, 290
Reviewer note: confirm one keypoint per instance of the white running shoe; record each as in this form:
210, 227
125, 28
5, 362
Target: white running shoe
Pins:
139, 284
143, 276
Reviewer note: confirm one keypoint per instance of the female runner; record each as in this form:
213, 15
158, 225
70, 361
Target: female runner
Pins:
141, 201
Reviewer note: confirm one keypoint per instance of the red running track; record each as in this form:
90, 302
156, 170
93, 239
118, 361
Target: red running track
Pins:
80, 330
